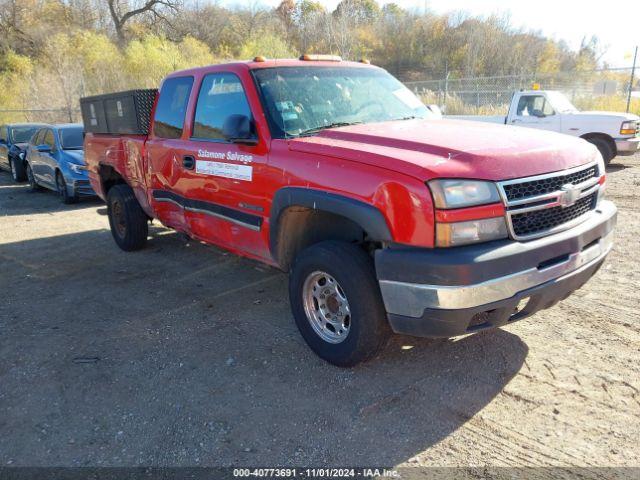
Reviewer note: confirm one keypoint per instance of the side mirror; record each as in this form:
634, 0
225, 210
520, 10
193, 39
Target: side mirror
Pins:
43, 148
238, 128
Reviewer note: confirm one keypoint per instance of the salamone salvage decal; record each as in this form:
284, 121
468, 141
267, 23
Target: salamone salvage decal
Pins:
234, 171
239, 157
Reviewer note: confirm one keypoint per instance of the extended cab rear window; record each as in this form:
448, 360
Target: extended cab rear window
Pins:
172, 106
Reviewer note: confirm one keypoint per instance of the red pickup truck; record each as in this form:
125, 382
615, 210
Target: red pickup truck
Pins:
386, 219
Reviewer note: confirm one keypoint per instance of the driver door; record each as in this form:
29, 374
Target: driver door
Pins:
535, 111
225, 202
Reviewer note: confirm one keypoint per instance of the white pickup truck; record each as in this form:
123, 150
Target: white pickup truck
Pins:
613, 133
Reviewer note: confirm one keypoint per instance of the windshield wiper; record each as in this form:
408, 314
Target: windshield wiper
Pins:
412, 117
311, 131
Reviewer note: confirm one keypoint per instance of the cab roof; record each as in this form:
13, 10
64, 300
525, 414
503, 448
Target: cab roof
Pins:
272, 63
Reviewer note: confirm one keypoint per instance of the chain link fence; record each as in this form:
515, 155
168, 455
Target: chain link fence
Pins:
606, 89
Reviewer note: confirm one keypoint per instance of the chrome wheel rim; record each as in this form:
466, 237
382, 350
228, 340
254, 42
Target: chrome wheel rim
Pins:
326, 307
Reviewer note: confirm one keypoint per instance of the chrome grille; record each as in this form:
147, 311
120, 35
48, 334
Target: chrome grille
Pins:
518, 191
545, 204
530, 223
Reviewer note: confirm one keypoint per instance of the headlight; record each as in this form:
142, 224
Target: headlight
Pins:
467, 211
463, 193
21, 155
629, 128
77, 168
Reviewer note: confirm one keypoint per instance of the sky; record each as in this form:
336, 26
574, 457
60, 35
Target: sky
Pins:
617, 27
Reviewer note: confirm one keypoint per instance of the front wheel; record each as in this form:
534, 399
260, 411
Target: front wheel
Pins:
33, 185
17, 170
604, 147
129, 225
336, 303
63, 191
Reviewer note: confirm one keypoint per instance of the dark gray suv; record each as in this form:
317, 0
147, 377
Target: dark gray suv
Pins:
14, 138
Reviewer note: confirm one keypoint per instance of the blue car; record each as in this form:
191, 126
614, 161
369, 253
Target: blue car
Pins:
55, 160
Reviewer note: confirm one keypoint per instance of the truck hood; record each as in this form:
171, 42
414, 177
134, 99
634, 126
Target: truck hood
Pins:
621, 116
426, 149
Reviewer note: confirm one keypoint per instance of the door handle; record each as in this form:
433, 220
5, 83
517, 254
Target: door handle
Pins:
188, 162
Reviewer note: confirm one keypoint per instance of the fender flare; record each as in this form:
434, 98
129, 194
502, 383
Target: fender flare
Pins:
368, 217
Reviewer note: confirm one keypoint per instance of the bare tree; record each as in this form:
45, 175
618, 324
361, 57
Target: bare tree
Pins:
124, 10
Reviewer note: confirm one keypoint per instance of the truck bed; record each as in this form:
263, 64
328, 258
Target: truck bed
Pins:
123, 153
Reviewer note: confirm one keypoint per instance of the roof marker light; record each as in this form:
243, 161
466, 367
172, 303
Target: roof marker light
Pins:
320, 58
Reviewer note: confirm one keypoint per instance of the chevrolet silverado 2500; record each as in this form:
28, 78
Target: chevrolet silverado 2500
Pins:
613, 133
385, 219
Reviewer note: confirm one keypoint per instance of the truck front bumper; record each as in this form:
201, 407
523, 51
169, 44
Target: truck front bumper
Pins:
627, 146
449, 292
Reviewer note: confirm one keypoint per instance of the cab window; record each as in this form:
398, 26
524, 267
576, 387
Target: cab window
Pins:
3, 134
221, 95
172, 106
534, 106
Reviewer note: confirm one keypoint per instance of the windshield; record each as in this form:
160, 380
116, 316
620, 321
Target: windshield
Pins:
22, 134
305, 100
71, 138
560, 103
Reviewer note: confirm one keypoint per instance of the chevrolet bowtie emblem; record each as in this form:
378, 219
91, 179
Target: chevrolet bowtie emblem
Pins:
570, 195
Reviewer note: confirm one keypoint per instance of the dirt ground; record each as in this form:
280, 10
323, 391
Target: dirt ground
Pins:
184, 355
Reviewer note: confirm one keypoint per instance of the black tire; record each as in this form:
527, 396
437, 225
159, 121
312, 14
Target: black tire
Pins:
17, 170
33, 184
353, 270
61, 185
604, 147
129, 223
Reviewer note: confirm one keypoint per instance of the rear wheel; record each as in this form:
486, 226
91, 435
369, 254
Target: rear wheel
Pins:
336, 303
33, 185
604, 147
61, 185
129, 223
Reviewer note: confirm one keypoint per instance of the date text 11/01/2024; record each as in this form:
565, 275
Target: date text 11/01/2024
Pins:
315, 473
